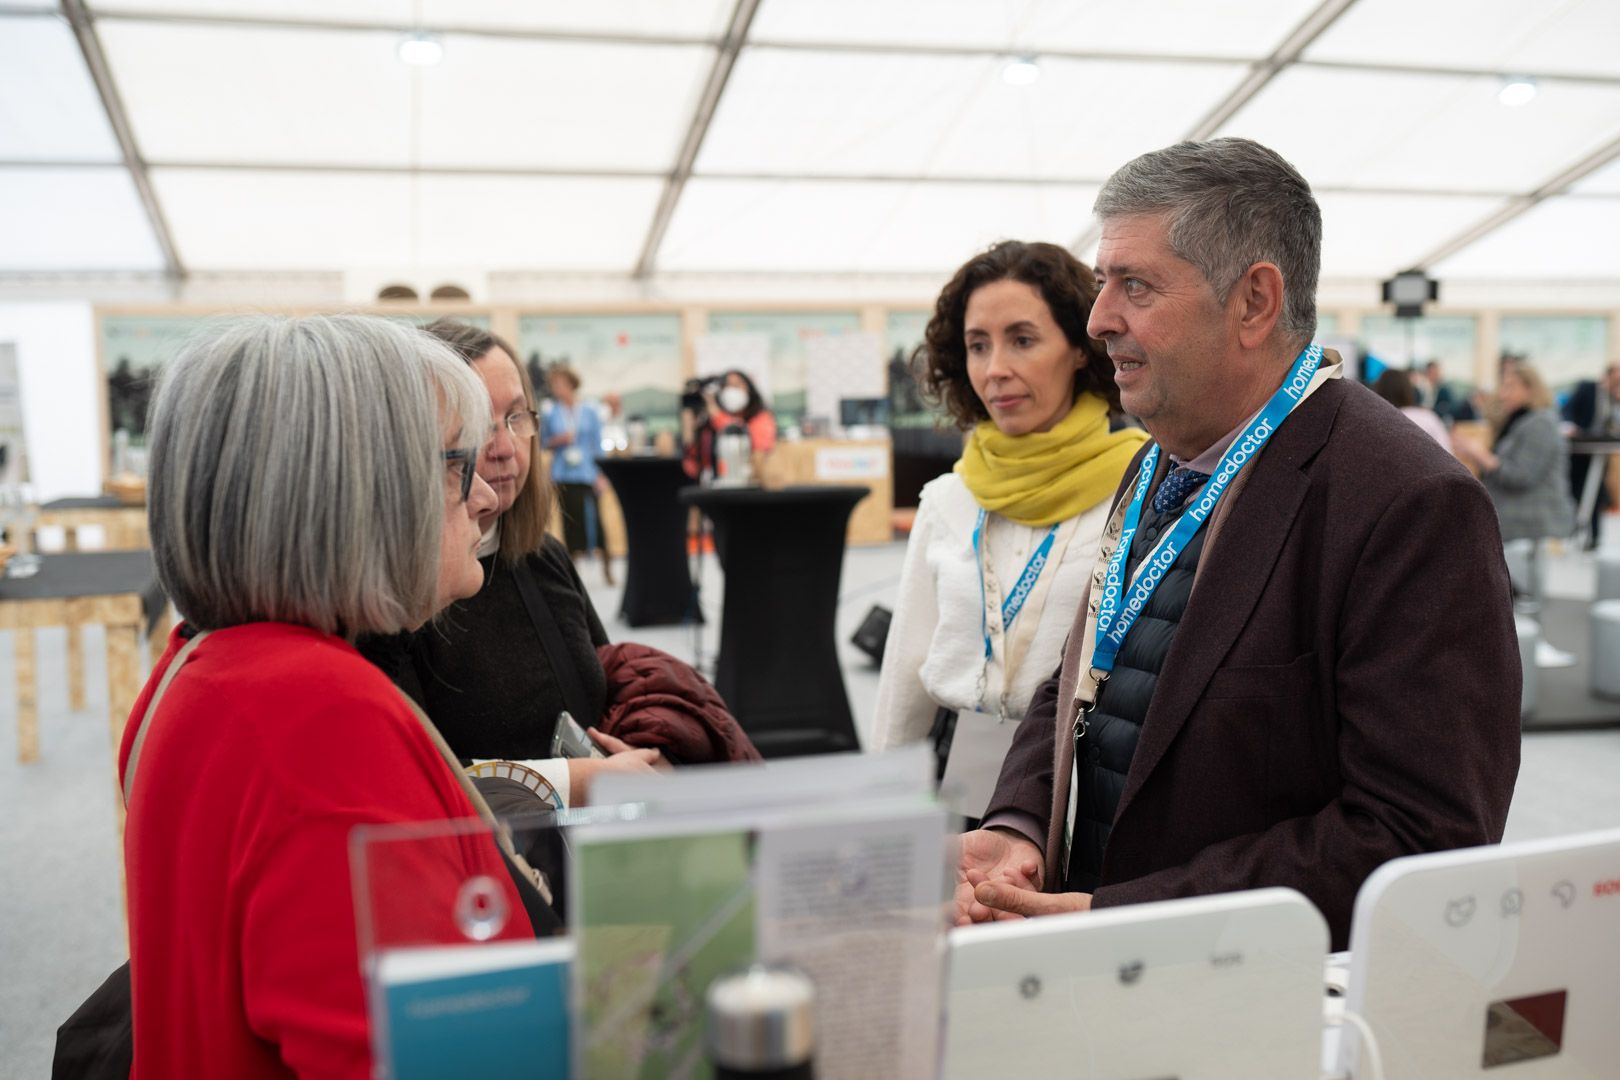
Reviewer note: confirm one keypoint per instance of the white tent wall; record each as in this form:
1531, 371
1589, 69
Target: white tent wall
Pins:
56, 363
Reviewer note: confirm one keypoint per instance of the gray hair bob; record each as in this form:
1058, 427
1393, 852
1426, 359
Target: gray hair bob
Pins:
1231, 203
296, 471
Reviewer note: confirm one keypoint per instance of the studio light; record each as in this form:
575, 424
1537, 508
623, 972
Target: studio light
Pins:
421, 50
1516, 92
1020, 71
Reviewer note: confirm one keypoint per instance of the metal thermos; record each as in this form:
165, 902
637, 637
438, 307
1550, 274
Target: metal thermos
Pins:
733, 451
761, 1025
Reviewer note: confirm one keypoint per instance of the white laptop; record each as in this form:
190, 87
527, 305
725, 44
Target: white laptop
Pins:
1493, 962
1210, 988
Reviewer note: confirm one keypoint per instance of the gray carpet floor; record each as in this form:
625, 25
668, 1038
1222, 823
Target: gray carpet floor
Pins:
61, 927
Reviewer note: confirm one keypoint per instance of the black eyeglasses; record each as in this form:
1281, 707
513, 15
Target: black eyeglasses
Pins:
466, 460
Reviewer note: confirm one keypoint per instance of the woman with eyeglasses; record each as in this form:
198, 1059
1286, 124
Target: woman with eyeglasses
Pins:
310, 479
486, 673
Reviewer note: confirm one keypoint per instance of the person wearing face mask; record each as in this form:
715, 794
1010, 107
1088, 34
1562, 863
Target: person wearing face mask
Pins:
738, 403
1002, 544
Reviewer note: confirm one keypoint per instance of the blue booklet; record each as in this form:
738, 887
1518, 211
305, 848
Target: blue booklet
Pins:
492, 1010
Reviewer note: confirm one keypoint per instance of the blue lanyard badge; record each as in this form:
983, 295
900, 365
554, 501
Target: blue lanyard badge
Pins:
1014, 602
1114, 621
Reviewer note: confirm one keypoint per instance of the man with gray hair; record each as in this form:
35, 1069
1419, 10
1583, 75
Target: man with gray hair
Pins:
1296, 658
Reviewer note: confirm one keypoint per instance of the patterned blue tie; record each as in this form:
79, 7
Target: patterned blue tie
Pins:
1175, 487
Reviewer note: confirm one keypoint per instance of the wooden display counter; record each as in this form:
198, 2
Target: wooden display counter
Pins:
841, 461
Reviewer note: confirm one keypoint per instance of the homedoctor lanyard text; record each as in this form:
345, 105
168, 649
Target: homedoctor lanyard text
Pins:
1114, 622
1014, 602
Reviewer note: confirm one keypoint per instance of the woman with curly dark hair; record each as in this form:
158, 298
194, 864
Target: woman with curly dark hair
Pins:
1002, 544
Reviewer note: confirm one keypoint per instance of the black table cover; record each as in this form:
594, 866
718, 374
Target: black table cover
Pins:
91, 573
657, 582
90, 502
783, 554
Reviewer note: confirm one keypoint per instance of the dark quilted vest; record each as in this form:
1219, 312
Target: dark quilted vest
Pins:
1103, 755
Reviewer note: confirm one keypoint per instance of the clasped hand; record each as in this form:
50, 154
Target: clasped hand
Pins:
999, 877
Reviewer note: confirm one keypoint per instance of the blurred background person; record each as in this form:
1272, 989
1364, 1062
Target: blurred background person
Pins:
1526, 470
572, 431
1593, 411
1002, 545
1397, 387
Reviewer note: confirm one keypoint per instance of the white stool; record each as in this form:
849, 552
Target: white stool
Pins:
1529, 632
1608, 574
1606, 649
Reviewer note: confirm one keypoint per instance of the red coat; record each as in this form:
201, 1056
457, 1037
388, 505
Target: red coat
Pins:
659, 701
268, 748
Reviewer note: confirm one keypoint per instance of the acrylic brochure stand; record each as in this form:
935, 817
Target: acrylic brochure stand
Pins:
456, 981
836, 865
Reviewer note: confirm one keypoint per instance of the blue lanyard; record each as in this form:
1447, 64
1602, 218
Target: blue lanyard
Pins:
1114, 622
1014, 602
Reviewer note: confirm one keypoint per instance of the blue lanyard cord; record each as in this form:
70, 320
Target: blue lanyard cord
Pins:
1114, 621
1014, 601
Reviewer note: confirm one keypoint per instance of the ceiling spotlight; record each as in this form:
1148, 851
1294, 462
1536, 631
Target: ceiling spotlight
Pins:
1020, 71
1516, 92
421, 50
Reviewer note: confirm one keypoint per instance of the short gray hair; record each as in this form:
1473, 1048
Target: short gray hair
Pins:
296, 471
1231, 203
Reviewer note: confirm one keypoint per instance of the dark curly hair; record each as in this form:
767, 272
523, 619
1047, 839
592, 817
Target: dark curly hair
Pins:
1067, 285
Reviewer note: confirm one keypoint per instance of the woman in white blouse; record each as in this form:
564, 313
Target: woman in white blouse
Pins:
1002, 544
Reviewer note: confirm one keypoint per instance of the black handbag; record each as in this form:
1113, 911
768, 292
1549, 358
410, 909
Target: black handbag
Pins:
98, 1041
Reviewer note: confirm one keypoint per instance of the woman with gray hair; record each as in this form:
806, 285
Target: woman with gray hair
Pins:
310, 479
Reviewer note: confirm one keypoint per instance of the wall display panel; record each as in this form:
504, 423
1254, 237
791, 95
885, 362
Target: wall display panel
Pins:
134, 349
1401, 343
902, 334
788, 332
637, 357
1564, 348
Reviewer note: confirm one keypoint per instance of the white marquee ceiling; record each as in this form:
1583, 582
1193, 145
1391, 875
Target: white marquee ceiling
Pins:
783, 136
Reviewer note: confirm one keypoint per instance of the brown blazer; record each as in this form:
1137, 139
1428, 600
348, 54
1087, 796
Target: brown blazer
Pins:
1343, 687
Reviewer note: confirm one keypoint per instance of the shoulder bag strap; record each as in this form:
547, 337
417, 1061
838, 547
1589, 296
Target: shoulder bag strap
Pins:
503, 836
151, 709
551, 640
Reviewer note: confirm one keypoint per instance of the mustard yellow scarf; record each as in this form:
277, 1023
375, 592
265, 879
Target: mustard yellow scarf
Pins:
1049, 476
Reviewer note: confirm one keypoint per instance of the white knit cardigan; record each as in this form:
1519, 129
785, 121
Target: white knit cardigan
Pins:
935, 652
